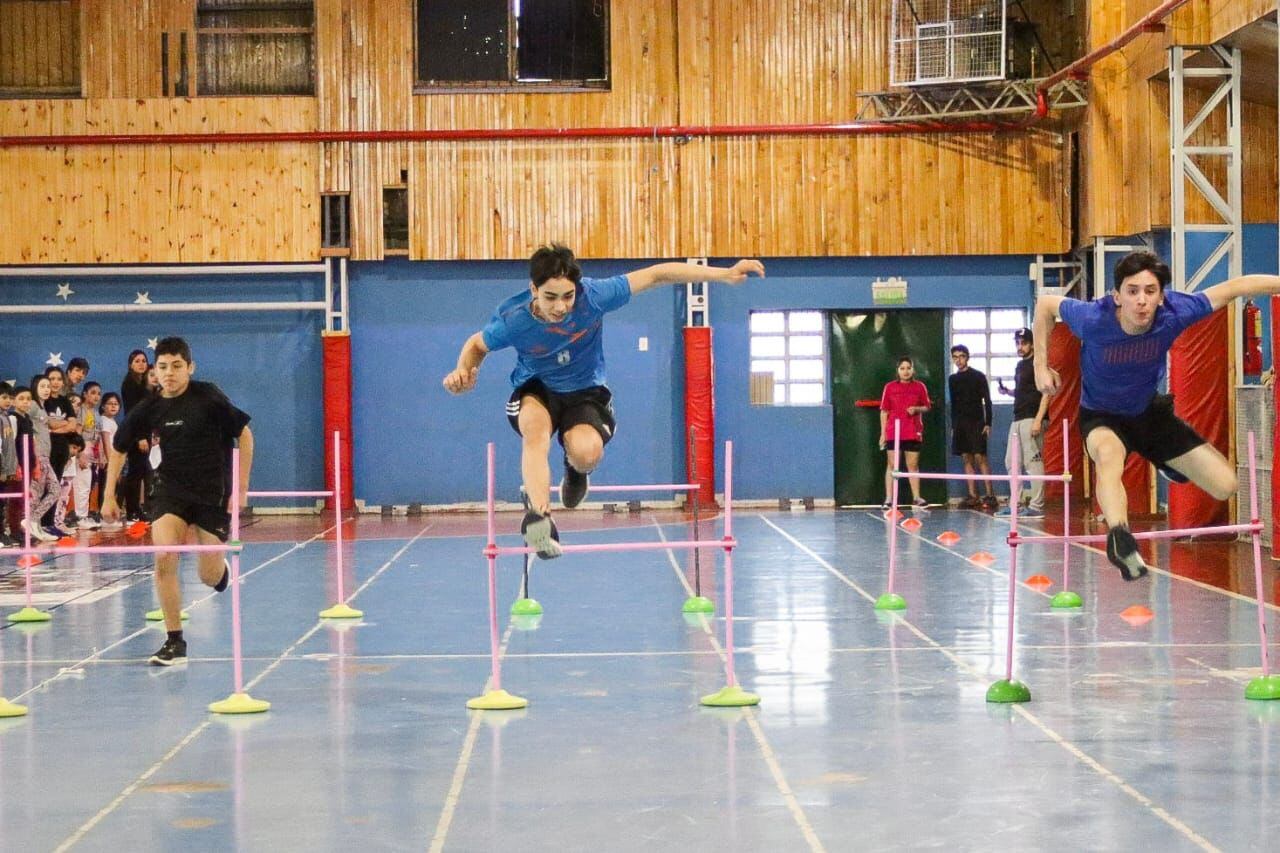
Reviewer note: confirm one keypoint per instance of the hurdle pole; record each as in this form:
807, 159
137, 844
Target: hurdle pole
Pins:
1267, 686
1008, 690
890, 600
340, 610
696, 603
29, 613
731, 695
494, 698
238, 702
1066, 599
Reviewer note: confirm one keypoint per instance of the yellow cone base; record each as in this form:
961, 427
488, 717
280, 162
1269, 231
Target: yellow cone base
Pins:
341, 611
497, 700
8, 709
730, 697
239, 703
30, 614
158, 616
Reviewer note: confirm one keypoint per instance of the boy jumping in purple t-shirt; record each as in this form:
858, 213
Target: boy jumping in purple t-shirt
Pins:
556, 328
1125, 338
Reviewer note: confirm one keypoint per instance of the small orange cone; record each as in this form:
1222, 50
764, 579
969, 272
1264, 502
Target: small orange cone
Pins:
1137, 615
911, 524
894, 514
67, 542
983, 558
137, 529
948, 537
1038, 581
29, 560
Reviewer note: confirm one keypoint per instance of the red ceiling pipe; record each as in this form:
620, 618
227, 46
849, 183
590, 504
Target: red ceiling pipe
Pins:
869, 128
1080, 68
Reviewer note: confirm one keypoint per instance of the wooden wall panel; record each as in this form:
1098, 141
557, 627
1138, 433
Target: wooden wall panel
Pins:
40, 47
122, 45
158, 203
1125, 162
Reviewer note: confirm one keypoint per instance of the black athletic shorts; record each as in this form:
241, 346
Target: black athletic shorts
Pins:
967, 437
591, 406
1157, 434
209, 518
912, 446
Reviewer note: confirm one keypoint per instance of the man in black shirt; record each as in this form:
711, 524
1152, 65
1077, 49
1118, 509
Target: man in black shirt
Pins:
1029, 410
193, 427
971, 423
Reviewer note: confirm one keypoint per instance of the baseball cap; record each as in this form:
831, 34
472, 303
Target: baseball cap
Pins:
1023, 334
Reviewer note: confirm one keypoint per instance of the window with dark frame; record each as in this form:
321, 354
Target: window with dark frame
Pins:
255, 47
513, 44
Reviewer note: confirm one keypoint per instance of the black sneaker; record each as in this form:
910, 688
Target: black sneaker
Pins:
574, 486
540, 532
226, 577
173, 651
1122, 551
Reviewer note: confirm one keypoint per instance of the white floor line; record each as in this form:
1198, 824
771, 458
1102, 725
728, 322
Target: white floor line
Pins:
88, 825
751, 716
1086, 759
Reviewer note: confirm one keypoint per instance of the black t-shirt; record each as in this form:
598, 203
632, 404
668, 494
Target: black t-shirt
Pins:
1026, 397
195, 431
970, 396
59, 407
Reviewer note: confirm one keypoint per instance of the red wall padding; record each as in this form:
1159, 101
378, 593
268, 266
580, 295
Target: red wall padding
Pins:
700, 412
336, 347
1064, 356
1199, 378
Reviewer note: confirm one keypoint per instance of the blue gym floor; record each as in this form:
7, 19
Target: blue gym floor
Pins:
872, 732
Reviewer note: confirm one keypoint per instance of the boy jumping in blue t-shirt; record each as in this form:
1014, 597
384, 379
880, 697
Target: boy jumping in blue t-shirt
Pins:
1125, 338
556, 328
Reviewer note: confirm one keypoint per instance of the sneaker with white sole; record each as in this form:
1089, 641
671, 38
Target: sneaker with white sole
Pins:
173, 651
37, 532
1122, 551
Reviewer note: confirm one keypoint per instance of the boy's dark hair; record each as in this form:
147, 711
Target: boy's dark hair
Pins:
908, 359
959, 348
87, 386
20, 389
80, 362
110, 395
554, 261
74, 439
6, 388
174, 346
1136, 262
54, 369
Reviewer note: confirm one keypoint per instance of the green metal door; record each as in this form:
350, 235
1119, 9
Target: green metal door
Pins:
864, 349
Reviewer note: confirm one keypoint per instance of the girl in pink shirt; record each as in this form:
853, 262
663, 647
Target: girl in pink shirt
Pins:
903, 402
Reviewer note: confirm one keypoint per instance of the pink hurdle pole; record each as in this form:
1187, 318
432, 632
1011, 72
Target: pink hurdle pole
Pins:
1148, 534
1257, 555
921, 475
235, 570
731, 678
26, 511
893, 503
1066, 507
648, 487
324, 494
491, 553
337, 508
682, 544
1015, 485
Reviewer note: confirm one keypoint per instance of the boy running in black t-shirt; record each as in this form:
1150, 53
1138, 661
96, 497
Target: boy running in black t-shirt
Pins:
196, 426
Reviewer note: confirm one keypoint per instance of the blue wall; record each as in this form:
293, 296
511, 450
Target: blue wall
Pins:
267, 363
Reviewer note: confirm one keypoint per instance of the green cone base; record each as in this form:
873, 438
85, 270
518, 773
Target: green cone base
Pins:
1263, 687
1008, 691
891, 601
30, 614
157, 615
497, 700
526, 607
239, 703
698, 604
341, 611
8, 709
1066, 600
730, 697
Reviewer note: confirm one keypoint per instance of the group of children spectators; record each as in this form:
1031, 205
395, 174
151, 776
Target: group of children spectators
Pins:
68, 422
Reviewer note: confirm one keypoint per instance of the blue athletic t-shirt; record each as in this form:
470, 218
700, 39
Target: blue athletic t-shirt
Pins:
566, 356
1121, 372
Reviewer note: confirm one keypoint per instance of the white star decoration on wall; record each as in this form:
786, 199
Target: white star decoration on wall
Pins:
65, 291
144, 298
54, 359
151, 343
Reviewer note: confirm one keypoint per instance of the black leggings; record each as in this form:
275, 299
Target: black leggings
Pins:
137, 476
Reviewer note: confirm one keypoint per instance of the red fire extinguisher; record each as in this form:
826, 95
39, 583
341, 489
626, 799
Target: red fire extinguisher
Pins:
1252, 339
